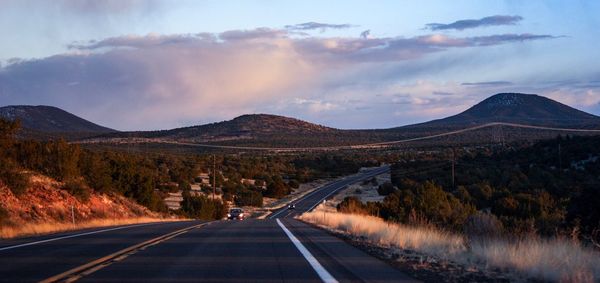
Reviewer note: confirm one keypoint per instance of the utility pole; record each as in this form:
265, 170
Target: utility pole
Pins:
214, 175
502, 136
73, 214
559, 158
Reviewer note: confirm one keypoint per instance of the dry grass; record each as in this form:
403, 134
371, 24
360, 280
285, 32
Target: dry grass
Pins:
553, 260
386, 234
29, 229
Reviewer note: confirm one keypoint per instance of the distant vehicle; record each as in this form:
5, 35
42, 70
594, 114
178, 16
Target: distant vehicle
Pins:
235, 213
292, 206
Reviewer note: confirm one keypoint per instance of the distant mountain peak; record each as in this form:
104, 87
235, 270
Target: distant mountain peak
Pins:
263, 121
505, 99
50, 119
518, 108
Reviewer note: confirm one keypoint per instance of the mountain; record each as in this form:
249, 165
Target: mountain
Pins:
245, 128
277, 131
518, 108
48, 121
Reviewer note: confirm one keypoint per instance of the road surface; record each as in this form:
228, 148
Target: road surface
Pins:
311, 200
277, 249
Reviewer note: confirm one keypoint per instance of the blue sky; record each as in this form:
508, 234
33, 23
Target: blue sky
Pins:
162, 64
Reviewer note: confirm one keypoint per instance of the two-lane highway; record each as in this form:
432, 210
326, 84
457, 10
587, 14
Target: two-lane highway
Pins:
249, 251
311, 200
278, 249
37, 258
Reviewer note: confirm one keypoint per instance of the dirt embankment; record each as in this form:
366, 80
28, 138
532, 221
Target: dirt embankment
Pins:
45, 207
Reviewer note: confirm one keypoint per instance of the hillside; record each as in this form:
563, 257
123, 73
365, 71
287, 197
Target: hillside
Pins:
519, 108
45, 207
245, 126
48, 121
266, 130
254, 129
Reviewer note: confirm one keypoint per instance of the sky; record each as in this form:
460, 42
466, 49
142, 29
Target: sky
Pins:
147, 65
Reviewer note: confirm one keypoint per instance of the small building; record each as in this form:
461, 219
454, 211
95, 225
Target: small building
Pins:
203, 178
173, 201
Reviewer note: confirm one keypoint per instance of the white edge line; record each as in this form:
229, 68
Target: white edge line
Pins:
314, 263
73, 236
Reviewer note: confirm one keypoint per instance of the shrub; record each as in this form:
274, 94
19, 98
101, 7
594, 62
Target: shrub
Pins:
294, 184
78, 189
16, 181
249, 198
352, 205
4, 216
277, 189
483, 226
201, 207
386, 189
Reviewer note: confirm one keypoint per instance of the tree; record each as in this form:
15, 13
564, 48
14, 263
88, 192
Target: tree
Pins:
385, 189
200, 207
10, 173
277, 189
249, 198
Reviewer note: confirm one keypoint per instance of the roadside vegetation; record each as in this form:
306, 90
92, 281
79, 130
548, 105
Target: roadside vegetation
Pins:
548, 189
531, 209
556, 259
148, 177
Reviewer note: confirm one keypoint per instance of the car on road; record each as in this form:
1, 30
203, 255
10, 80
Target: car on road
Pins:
235, 213
291, 206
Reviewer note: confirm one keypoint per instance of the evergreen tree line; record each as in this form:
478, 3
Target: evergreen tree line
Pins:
550, 188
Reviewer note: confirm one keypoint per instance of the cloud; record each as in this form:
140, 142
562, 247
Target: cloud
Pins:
490, 83
252, 34
163, 81
505, 38
135, 41
365, 34
317, 26
315, 105
497, 20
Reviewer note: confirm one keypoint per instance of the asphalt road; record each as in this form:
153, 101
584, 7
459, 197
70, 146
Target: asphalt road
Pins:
35, 262
309, 201
280, 249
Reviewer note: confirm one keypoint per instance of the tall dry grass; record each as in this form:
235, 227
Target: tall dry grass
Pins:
560, 260
29, 229
553, 260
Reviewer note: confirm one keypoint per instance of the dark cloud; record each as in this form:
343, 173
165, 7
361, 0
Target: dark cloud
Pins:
505, 38
442, 93
317, 26
490, 83
365, 34
252, 34
497, 20
135, 41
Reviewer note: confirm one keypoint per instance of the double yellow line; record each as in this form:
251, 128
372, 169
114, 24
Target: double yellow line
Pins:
93, 266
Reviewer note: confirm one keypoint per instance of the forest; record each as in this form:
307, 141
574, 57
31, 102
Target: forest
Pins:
548, 188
